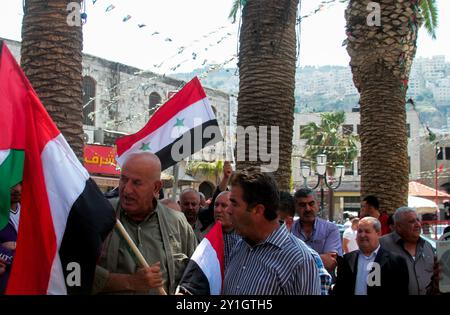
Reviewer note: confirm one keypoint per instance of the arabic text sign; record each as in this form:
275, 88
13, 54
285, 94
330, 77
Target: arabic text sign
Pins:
99, 159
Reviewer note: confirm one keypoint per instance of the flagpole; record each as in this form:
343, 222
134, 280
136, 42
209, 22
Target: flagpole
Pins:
230, 139
175, 182
141, 260
436, 188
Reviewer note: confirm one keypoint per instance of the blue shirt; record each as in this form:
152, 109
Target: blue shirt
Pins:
325, 277
325, 237
362, 271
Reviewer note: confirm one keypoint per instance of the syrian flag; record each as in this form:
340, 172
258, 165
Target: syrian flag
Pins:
204, 273
182, 126
64, 216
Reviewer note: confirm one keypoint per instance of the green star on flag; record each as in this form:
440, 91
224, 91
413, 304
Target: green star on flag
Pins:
180, 122
145, 146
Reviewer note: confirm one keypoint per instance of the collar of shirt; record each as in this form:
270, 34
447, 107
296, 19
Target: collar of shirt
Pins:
372, 255
147, 218
300, 230
399, 241
15, 211
276, 238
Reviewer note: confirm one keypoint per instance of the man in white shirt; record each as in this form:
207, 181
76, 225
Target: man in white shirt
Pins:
349, 238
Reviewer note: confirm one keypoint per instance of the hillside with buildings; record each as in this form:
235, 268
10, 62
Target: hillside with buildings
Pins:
331, 88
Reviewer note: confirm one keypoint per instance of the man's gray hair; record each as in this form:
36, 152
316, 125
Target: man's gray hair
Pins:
401, 211
189, 190
223, 193
375, 222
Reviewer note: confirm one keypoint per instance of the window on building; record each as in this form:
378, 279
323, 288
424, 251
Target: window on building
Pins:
88, 101
447, 153
352, 203
408, 130
347, 129
154, 100
349, 169
352, 199
440, 153
359, 165
358, 129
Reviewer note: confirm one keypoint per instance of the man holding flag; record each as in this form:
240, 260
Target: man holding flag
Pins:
64, 216
162, 235
182, 126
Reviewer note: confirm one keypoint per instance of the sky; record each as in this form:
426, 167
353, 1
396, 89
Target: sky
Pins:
180, 35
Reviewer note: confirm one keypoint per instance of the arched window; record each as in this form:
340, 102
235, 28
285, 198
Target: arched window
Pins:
88, 100
207, 188
154, 99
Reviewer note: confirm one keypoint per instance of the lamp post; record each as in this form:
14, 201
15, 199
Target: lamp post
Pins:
321, 170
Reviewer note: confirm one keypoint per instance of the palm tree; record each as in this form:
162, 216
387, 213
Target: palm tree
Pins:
267, 62
329, 138
381, 59
51, 58
207, 169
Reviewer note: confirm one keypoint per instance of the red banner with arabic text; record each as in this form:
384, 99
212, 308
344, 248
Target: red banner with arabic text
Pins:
100, 159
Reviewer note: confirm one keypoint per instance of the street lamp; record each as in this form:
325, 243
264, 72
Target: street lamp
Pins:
321, 170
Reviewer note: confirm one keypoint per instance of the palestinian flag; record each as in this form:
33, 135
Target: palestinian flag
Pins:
11, 170
204, 273
182, 126
64, 216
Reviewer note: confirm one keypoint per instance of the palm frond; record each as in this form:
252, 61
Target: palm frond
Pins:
328, 139
234, 10
430, 14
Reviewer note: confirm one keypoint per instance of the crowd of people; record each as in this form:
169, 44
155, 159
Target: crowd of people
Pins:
274, 242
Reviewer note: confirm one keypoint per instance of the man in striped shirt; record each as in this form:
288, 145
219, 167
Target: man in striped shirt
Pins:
267, 259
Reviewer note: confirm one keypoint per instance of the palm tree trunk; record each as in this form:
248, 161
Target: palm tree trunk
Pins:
51, 58
381, 58
267, 59
384, 145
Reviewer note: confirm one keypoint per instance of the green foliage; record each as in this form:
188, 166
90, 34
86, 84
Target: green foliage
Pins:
237, 4
430, 13
209, 169
328, 138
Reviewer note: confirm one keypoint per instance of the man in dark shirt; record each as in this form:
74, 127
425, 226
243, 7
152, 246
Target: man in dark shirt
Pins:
371, 270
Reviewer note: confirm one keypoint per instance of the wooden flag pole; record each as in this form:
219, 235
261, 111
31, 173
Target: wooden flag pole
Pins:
141, 260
